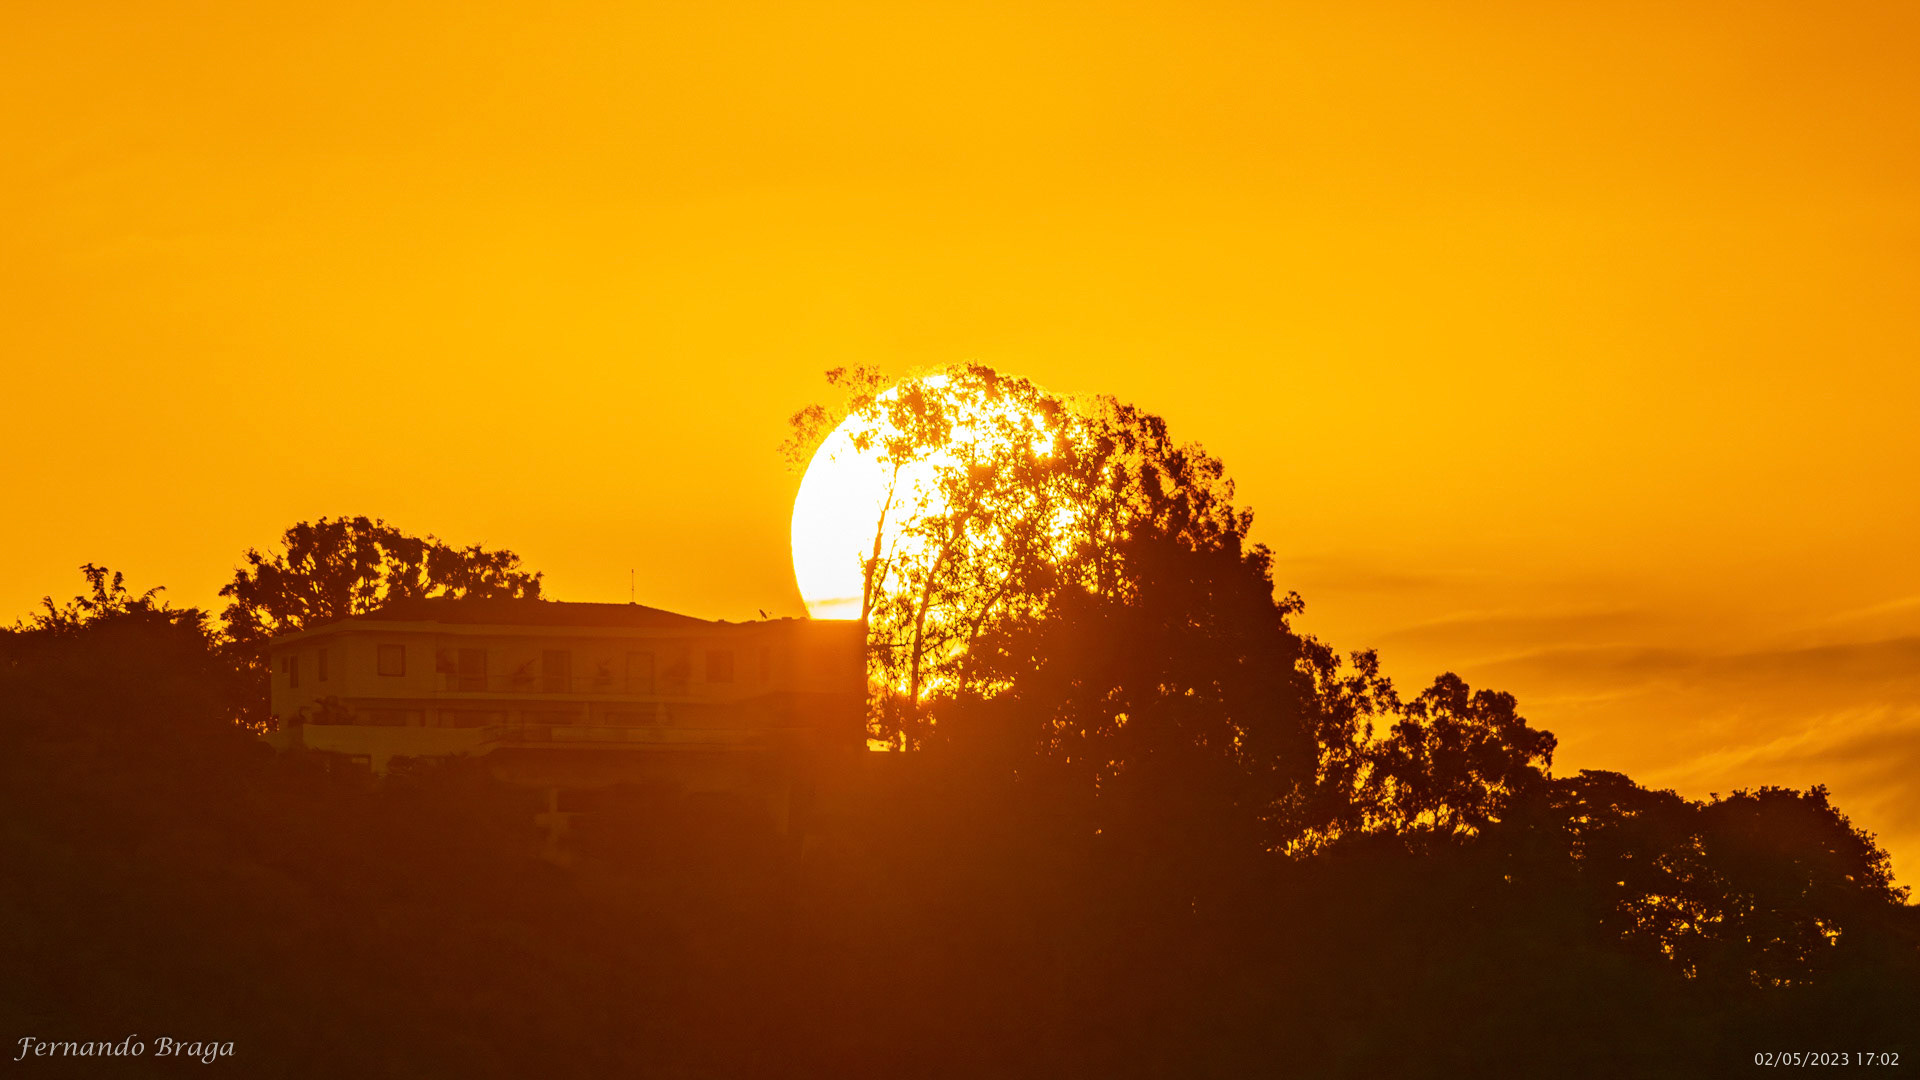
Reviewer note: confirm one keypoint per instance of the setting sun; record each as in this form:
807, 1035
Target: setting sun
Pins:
875, 478
842, 499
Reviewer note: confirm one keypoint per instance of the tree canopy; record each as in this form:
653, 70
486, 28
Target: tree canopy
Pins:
1065, 580
331, 568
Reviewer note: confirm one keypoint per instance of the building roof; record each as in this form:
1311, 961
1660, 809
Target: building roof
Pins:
509, 613
445, 609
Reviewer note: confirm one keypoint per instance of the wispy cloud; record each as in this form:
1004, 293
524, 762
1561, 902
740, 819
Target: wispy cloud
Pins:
1844, 715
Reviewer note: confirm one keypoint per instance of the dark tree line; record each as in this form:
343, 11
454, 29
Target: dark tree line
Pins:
1150, 830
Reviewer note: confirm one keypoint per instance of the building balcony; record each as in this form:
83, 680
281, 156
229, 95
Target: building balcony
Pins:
379, 744
645, 735
523, 686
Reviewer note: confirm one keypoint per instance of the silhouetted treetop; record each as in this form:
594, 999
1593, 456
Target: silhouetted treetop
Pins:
1454, 759
1767, 887
107, 596
71, 668
332, 568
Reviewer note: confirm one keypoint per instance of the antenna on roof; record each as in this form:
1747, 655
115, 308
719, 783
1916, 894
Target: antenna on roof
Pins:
630, 586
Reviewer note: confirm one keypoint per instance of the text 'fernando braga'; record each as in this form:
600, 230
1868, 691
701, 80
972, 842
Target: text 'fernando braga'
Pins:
131, 1046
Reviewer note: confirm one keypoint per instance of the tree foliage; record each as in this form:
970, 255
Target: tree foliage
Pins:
1756, 887
1066, 583
1454, 758
332, 568
117, 673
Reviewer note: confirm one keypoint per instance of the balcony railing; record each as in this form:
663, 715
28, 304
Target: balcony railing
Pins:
614, 685
646, 734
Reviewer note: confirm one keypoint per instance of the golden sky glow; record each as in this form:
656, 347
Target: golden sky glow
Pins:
1569, 346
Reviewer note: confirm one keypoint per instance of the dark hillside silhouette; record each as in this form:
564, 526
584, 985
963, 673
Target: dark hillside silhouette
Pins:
1149, 829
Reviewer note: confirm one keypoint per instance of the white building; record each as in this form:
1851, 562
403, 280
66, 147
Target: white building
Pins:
566, 696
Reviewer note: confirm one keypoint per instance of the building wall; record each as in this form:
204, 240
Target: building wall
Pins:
612, 685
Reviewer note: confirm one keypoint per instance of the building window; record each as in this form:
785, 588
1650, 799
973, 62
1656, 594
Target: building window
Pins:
719, 665
291, 665
639, 673
556, 671
677, 670
320, 666
473, 669
393, 660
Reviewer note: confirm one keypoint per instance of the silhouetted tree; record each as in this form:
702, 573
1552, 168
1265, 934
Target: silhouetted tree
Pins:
332, 568
1453, 761
1076, 559
971, 521
335, 567
1003, 499
1760, 887
109, 645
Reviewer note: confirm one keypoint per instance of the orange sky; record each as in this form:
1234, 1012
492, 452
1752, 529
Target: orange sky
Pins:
1571, 347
